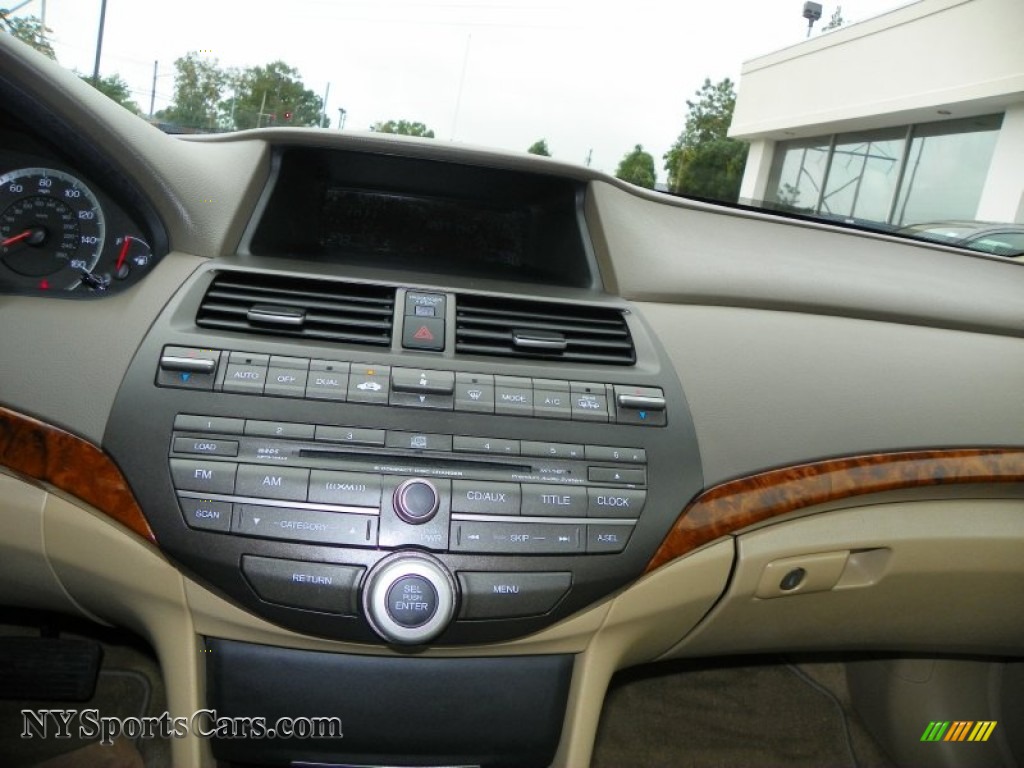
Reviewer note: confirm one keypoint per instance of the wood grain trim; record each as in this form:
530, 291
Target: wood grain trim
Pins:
731, 506
65, 461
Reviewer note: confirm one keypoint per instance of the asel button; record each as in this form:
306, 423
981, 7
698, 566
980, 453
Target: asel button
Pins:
611, 502
608, 538
203, 476
411, 601
511, 595
313, 586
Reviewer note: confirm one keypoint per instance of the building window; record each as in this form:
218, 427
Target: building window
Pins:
872, 175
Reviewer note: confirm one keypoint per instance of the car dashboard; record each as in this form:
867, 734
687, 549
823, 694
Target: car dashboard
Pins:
467, 432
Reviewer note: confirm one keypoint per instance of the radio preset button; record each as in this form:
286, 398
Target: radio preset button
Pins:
260, 482
486, 445
189, 423
350, 435
281, 429
607, 453
552, 450
203, 476
485, 498
616, 475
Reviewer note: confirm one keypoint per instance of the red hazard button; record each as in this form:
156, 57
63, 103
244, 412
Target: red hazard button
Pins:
423, 333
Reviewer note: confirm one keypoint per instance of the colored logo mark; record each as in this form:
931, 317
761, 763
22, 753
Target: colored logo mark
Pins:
959, 730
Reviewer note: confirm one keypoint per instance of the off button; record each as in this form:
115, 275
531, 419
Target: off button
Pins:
412, 601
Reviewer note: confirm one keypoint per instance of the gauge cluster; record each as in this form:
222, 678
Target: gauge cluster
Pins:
61, 234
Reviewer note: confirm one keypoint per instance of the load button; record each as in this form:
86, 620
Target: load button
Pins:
612, 502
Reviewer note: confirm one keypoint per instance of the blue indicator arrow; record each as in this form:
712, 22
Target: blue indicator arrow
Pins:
643, 414
186, 376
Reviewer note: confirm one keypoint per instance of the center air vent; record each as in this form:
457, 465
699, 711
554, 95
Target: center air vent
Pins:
321, 310
533, 329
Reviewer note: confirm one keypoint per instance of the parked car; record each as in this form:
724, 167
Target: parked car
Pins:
985, 236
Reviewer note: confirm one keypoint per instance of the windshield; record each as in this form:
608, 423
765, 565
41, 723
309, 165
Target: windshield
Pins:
869, 113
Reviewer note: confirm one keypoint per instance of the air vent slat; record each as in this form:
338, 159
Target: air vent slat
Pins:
596, 335
346, 313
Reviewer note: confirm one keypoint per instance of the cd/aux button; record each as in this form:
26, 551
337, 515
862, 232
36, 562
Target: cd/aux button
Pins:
485, 498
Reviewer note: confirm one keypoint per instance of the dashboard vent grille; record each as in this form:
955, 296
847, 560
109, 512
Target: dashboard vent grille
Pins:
320, 310
543, 330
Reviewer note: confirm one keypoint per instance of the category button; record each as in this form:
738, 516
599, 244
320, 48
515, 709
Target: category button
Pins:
485, 498
203, 476
272, 482
309, 525
611, 502
511, 595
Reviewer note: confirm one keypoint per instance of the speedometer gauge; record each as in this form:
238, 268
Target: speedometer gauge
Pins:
51, 228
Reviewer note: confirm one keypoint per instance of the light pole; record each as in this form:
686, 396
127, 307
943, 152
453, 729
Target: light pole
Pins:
342, 114
99, 43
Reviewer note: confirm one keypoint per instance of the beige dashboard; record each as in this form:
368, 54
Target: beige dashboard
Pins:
798, 347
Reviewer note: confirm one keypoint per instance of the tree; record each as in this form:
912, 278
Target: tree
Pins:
403, 127
704, 161
198, 85
116, 89
637, 167
273, 94
540, 147
836, 21
29, 30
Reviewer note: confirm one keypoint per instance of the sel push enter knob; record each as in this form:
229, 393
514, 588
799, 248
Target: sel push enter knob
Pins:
409, 598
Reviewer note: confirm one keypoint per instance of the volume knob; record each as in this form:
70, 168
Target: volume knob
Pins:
416, 501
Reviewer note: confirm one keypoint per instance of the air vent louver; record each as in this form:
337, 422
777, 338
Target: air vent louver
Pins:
542, 330
320, 310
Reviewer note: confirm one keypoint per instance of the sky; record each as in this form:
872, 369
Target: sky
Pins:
592, 78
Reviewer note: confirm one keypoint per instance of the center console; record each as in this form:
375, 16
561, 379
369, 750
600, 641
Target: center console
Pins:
402, 492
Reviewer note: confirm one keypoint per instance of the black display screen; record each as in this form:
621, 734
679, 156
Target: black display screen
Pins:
380, 224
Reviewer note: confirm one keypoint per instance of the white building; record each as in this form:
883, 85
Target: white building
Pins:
915, 115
